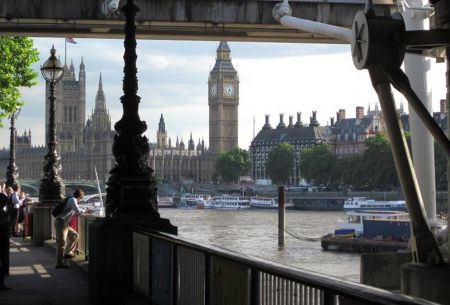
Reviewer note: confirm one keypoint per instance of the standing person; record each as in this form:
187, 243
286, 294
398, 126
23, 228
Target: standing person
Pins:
4, 241
13, 210
66, 237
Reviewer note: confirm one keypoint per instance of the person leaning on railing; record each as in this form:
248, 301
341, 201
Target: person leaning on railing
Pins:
66, 237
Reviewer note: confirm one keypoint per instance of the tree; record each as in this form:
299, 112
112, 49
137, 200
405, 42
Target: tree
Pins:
440, 163
232, 164
280, 163
378, 164
347, 171
17, 55
317, 163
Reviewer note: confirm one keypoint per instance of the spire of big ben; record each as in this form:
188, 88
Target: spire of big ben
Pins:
223, 101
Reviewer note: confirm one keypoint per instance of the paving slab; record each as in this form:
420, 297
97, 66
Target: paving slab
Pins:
35, 281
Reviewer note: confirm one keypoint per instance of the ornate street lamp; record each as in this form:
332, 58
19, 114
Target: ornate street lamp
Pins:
52, 187
11, 173
131, 191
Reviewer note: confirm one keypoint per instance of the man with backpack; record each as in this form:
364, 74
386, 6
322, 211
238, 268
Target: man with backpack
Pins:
66, 237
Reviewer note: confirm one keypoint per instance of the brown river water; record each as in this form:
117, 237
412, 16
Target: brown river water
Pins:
254, 233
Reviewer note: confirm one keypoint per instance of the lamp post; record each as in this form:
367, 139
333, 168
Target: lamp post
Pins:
51, 189
131, 187
11, 173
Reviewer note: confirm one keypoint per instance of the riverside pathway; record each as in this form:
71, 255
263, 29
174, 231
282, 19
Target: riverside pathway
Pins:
35, 281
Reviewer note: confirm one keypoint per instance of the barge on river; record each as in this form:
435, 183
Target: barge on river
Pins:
370, 231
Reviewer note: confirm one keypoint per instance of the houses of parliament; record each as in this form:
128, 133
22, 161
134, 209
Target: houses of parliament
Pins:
85, 146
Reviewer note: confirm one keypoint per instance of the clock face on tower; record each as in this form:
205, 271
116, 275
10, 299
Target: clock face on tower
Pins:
213, 90
228, 89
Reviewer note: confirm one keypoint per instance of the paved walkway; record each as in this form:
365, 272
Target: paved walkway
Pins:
35, 281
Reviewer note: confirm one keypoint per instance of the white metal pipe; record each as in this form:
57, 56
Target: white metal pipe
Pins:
417, 67
317, 28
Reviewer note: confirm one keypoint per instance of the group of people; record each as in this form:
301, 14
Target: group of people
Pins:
17, 203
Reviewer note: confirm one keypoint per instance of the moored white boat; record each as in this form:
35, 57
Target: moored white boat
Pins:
195, 201
267, 203
165, 202
230, 202
364, 203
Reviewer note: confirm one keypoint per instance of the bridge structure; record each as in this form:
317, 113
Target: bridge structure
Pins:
31, 187
242, 20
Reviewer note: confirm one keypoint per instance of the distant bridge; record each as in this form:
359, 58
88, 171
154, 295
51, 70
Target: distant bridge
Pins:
241, 20
31, 187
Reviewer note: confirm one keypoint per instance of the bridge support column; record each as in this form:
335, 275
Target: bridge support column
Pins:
427, 282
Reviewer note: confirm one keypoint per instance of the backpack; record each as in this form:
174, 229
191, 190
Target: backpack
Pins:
58, 208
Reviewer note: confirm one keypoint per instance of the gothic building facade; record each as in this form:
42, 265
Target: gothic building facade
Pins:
85, 146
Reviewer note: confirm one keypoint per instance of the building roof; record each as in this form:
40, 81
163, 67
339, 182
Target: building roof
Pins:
353, 125
223, 59
291, 135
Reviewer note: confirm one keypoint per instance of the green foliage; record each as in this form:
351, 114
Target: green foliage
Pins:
17, 54
378, 164
316, 163
375, 169
232, 164
280, 163
440, 162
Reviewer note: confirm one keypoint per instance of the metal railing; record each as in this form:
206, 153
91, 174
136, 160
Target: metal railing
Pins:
173, 270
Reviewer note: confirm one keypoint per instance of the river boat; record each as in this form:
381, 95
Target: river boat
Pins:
355, 219
370, 231
165, 202
195, 201
364, 203
230, 202
267, 203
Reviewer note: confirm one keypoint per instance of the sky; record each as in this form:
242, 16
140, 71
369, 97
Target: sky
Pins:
274, 78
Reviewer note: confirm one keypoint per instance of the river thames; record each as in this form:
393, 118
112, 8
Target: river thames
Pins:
254, 232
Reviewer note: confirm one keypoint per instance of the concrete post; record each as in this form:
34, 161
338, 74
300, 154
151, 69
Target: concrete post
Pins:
281, 216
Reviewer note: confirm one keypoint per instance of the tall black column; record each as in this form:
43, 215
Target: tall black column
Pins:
11, 173
51, 189
131, 187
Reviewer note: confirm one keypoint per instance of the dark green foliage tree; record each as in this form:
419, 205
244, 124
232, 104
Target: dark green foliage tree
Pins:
17, 54
347, 172
378, 164
317, 163
280, 163
440, 162
232, 164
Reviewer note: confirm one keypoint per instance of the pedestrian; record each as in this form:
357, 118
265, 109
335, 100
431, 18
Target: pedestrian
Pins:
66, 237
13, 210
4, 241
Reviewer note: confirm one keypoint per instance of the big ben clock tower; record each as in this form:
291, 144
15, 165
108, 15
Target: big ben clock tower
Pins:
223, 101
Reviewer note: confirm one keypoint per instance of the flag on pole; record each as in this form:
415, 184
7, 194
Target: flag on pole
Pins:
71, 40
